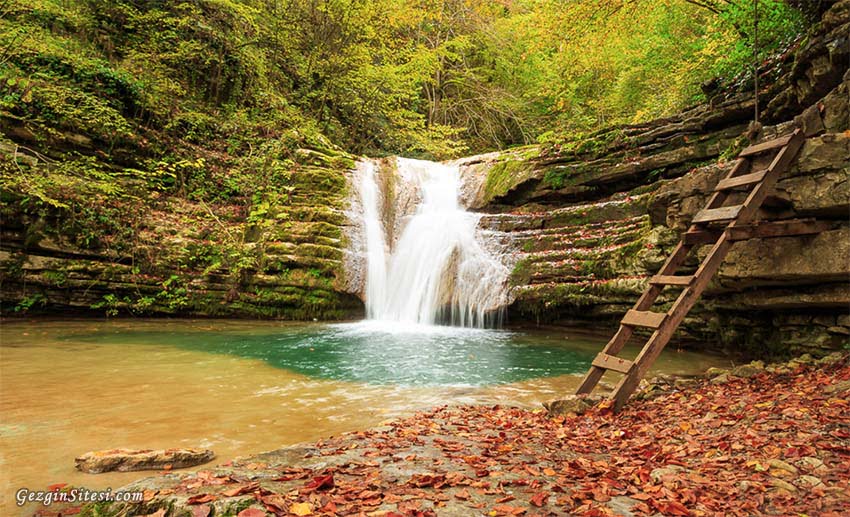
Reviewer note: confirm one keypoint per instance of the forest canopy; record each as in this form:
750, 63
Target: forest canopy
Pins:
410, 77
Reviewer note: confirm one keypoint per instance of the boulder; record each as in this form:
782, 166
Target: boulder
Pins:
572, 404
749, 370
126, 460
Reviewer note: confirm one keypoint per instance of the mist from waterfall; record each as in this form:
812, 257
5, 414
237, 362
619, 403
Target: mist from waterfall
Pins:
437, 269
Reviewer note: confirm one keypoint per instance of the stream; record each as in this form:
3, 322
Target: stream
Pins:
242, 387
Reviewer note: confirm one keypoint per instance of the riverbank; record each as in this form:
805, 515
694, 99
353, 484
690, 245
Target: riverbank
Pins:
772, 440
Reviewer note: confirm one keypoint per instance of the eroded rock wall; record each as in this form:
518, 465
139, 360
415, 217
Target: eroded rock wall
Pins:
189, 258
592, 219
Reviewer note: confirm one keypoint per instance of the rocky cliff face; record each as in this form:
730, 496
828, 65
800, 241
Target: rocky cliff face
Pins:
594, 218
172, 255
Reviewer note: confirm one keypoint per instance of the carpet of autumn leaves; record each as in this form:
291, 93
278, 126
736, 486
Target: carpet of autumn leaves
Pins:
773, 444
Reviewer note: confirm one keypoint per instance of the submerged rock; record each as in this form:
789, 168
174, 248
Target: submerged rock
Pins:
126, 460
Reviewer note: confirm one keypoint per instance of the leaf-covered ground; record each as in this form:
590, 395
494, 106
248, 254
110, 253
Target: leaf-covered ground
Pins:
777, 443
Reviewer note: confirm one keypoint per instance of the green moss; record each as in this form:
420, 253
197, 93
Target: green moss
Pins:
503, 176
521, 273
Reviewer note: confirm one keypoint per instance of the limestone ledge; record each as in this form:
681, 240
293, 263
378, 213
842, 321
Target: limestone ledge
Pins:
586, 261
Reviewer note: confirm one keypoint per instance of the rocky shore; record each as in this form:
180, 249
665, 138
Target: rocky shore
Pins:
756, 439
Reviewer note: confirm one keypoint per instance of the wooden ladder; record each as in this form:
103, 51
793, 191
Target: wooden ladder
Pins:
703, 230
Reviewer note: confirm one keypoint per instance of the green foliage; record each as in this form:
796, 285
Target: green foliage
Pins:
431, 79
778, 26
29, 302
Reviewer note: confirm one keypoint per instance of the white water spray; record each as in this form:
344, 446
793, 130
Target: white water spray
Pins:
437, 270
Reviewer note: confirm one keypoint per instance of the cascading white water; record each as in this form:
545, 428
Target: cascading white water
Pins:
376, 249
437, 270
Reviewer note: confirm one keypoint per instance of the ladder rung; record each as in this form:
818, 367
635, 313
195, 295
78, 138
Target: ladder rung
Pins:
610, 362
649, 319
701, 237
778, 229
776, 143
740, 181
671, 280
724, 213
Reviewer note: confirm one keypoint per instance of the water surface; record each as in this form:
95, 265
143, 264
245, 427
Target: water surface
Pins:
67, 387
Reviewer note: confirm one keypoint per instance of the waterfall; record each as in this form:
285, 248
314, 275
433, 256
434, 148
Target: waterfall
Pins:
437, 269
376, 249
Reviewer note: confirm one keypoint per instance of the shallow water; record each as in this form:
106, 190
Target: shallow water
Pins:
241, 387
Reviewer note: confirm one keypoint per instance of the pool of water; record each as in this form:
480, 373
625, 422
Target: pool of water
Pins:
238, 387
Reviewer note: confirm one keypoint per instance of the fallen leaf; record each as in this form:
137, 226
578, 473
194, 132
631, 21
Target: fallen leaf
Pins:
239, 490
301, 509
539, 499
676, 508
320, 482
201, 498
252, 512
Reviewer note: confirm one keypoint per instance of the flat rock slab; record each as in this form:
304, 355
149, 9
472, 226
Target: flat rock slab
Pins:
126, 460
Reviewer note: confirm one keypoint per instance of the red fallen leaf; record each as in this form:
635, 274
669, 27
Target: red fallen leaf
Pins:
293, 475
201, 498
505, 509
676, 508
539, 499
534, 471
369, 494
392, 498
463, 495
320, 482
600, 496
329, 508
409, 507
426, 480
56, 486
275, 503
239, 490
201, 511
73, 510
251, 512
506, 499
